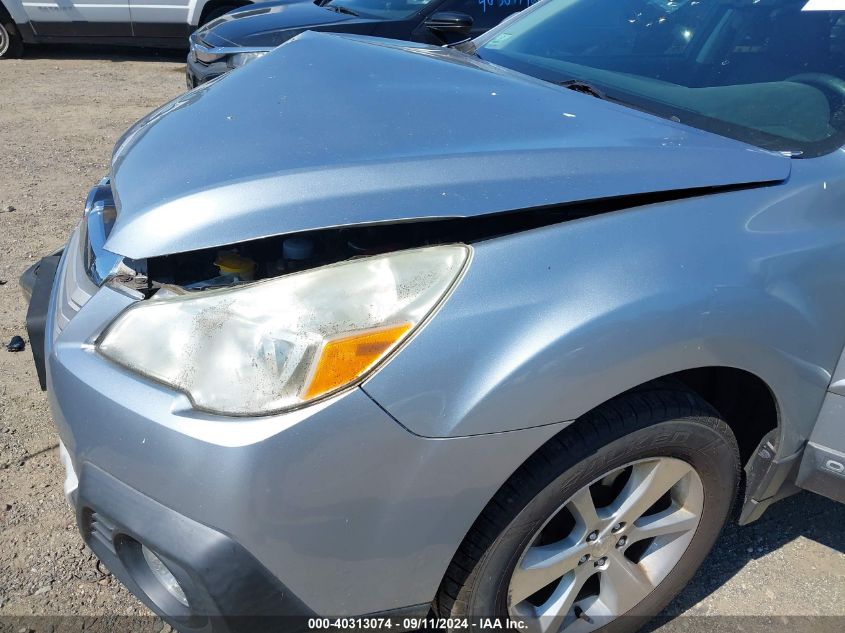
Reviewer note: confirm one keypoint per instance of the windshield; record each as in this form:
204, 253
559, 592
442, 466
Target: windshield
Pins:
768, 72
384, 9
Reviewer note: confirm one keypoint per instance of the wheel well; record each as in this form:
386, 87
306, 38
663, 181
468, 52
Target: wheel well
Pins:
744, 401
216, 4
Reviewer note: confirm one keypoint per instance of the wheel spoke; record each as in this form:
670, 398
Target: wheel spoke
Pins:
648, 482
596, 543
623, 584
674, 520
552, 613
542, 565
583, 509
525, 613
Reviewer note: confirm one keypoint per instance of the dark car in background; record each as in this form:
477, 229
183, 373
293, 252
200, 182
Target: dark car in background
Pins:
247, 33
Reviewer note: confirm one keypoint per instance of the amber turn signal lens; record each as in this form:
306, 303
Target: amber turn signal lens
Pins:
343, 360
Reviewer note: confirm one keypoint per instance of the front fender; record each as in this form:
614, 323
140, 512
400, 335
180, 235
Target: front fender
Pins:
550, 323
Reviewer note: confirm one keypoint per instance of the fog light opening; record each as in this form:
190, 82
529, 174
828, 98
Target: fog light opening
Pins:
164, 576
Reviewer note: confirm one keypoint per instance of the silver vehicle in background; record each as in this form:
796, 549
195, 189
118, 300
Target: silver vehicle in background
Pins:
163, 23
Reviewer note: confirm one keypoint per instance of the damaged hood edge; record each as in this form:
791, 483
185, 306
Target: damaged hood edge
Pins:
309, 201
462, 138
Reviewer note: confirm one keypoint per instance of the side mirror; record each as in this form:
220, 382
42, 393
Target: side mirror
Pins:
451, 26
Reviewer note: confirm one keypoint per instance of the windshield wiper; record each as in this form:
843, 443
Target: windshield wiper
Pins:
340, 9
589, 89
583, 87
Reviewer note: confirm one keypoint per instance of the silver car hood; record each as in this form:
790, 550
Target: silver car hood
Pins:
333, 130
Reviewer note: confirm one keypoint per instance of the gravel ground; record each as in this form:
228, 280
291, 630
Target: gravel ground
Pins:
60, 113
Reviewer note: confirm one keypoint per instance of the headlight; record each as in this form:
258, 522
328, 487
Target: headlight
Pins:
242, 59
276, 344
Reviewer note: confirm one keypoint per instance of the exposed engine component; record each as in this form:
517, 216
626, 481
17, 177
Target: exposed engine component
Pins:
284, 254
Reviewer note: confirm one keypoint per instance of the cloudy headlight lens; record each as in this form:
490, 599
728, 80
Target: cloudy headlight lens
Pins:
276, 344
242, 59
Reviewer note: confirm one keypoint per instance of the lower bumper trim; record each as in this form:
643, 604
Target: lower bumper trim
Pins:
37, 282
227, 589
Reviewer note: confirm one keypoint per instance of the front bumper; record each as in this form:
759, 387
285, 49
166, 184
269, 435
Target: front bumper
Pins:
197, 73
203, 491
207, 62
229, 589
226, 587
334, 509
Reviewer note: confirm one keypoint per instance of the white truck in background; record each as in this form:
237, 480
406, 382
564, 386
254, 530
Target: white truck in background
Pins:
162, 23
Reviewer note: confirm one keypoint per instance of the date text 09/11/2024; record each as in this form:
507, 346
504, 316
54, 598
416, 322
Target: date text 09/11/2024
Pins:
411, 624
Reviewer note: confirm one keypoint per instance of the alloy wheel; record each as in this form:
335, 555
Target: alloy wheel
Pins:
4, 40
607, 547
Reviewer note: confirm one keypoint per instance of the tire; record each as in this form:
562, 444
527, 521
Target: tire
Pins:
650, 435
11, 43
216, 12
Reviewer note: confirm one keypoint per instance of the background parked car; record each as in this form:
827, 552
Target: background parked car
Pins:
249, 32
162, 23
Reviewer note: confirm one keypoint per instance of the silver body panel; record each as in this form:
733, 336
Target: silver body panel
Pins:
620, 300
395, 522
358, 503
551, 146
109, 11
162, 11
75, 18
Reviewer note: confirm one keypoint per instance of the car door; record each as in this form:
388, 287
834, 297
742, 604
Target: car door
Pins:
822, 468
160, 18
79, 18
